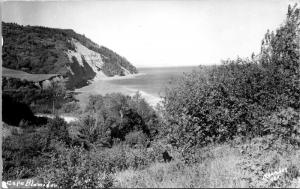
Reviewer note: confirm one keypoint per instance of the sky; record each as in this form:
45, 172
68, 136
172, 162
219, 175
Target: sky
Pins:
157, 33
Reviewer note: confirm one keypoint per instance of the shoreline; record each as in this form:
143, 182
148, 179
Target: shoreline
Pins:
101, 86
151, 99
116, 77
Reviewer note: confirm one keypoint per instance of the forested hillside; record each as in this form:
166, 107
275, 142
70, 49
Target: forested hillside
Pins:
41, 50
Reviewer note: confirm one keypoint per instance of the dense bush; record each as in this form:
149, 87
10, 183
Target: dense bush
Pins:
269, 162
71, 107
87, 152
100, 144
75, 168
39, 100
110, 118
58, 130
284, 124
235, 98
136, 138
122, 157
23, 153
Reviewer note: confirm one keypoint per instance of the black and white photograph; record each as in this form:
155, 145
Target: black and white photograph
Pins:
150, 94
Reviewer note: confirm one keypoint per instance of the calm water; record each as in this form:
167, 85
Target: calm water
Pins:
153, 80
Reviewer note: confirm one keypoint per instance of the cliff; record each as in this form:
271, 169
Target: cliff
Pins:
42, 50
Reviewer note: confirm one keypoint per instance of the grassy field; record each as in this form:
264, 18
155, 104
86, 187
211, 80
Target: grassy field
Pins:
6, 72
226, 167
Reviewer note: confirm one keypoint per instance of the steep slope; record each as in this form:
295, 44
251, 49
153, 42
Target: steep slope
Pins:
41, 50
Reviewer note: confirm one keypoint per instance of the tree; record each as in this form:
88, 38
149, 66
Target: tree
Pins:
58, 130
57, 92
233, 99
280, 56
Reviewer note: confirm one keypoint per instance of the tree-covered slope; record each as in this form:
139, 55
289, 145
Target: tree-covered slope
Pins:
41, 50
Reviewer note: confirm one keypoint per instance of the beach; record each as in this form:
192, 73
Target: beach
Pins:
102, 86
149, 82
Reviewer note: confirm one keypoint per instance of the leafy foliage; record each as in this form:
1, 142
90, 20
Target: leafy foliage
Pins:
75, 168
38, 99
136, 138
269, 162
87, 152
70, 107
113, 63
58, 130
110, 118
285, 125
235, 98
23, 154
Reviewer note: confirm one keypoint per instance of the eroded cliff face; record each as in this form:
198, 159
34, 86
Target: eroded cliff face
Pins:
41, 50
85, 55
84, 64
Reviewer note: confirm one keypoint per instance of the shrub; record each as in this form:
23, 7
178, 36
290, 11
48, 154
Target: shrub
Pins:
70, 107
284, 124
74, 168
58, 130
269, 162
137, 138
139, 158
111, 117
23, 154
18, 93
235, 98
280, 58
121, 157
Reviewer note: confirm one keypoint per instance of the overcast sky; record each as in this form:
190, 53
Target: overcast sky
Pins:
161, 33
